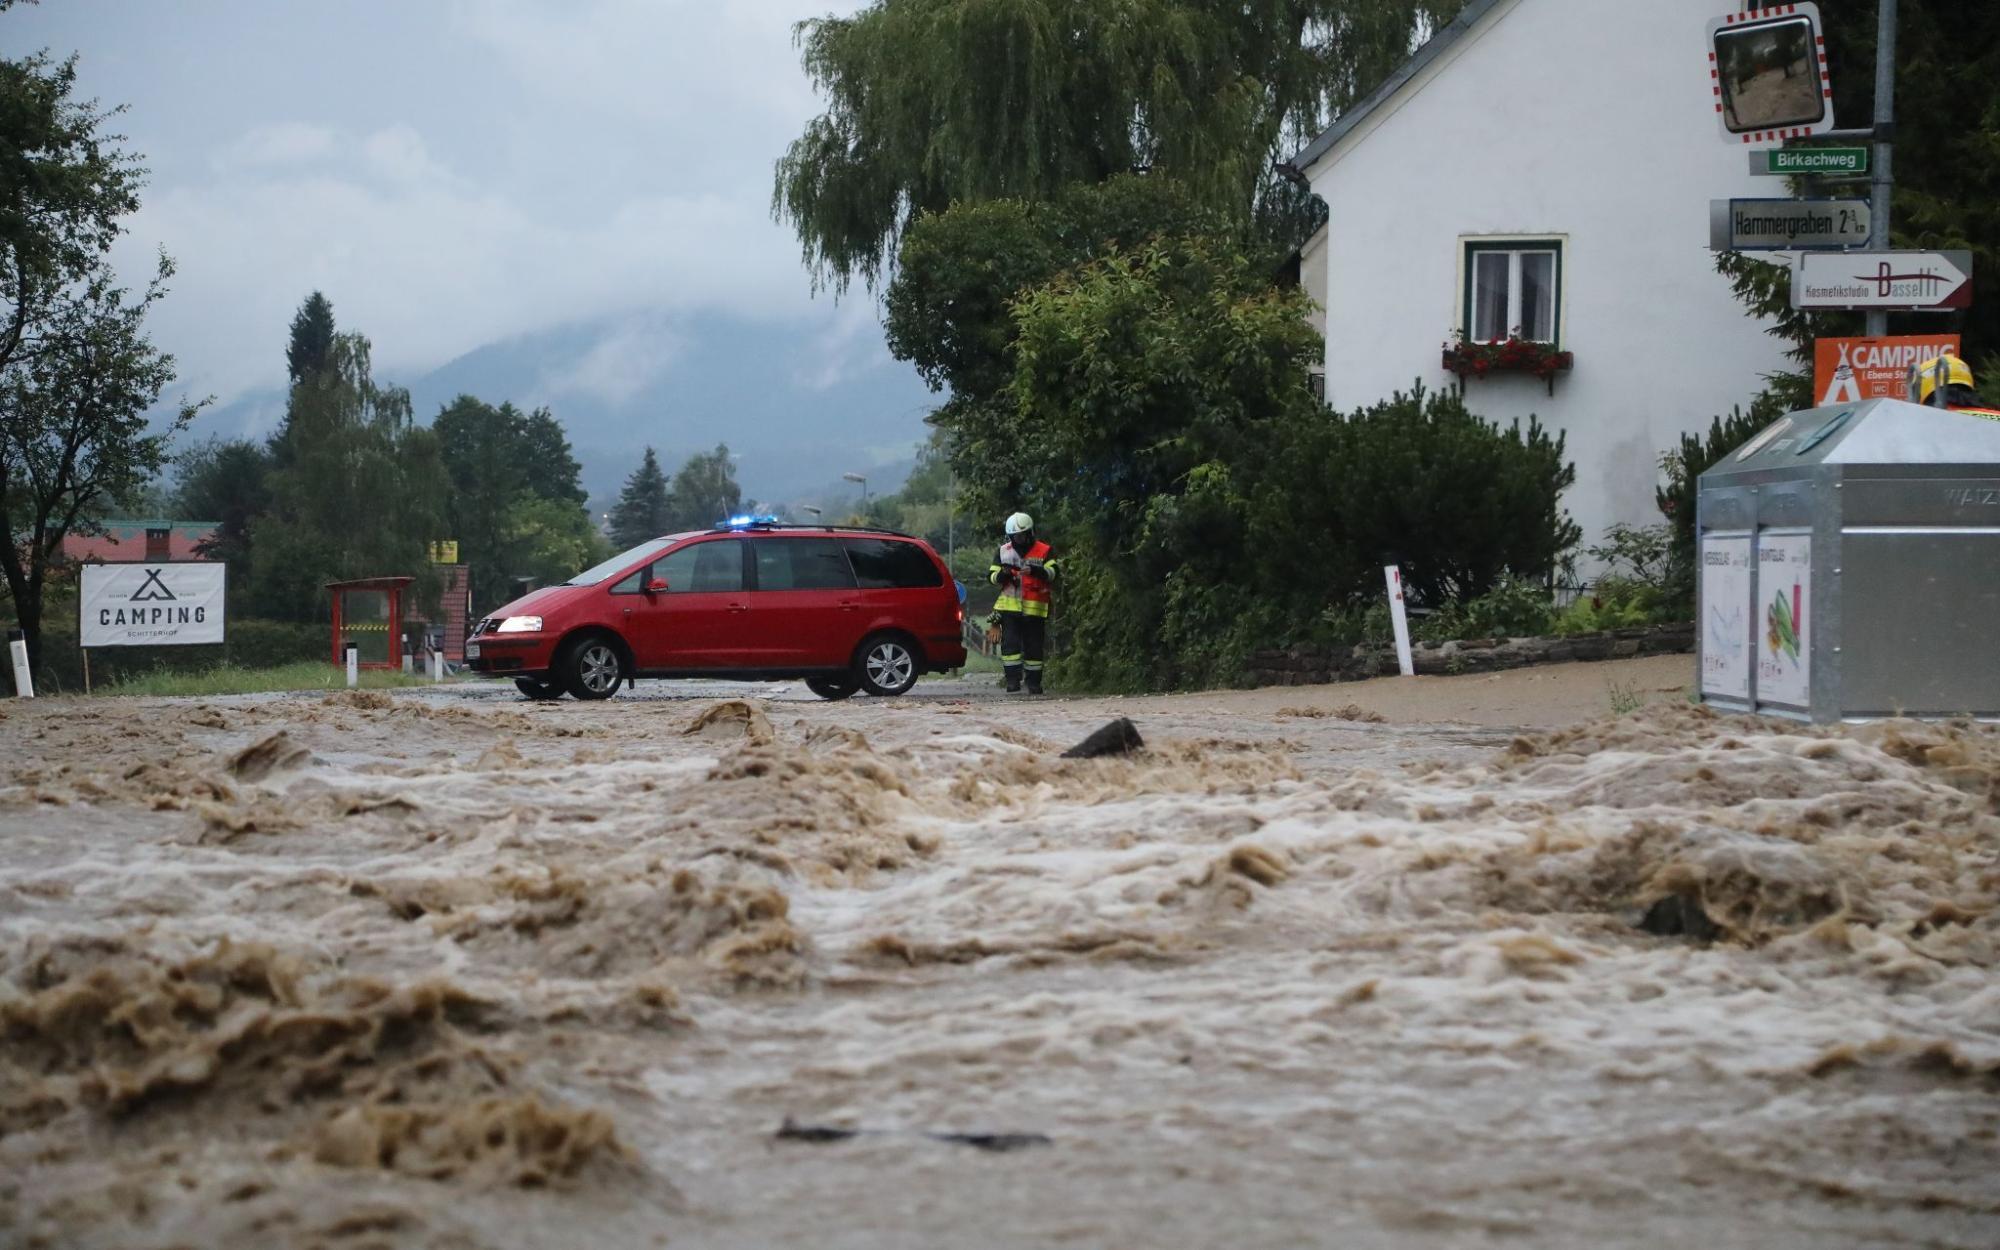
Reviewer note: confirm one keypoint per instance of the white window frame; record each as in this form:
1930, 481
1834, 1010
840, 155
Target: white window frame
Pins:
1513, 246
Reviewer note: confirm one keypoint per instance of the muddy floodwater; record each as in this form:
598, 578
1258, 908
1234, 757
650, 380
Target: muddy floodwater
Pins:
442, 968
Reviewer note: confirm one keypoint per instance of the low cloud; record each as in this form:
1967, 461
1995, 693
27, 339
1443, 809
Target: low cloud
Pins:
548, 165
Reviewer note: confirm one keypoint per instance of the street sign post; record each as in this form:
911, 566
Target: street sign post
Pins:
1786, 225
1792, 162
1882, 281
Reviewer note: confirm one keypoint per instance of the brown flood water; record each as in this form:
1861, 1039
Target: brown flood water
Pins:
442, 969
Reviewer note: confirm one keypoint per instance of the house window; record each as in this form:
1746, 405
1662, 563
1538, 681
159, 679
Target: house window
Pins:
1513, 286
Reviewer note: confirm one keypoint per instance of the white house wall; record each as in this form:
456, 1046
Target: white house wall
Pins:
1579, 119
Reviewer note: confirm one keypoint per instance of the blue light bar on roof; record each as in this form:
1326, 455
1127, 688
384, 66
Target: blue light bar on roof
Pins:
747, 522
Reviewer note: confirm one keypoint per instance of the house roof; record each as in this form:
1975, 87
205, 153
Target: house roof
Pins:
126, 540
1434, 48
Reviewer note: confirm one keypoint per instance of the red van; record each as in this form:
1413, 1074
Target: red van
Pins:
846, 609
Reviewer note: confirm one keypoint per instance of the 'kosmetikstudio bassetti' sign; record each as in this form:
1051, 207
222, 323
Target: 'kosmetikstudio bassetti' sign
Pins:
151, 605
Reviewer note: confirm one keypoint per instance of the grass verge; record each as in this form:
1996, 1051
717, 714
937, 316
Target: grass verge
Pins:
228, 679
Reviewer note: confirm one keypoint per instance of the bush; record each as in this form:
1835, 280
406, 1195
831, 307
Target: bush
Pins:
1459, 502
1616, 603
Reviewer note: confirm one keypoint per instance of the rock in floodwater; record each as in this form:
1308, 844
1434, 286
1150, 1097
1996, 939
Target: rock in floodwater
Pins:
1120, 737
1678, 915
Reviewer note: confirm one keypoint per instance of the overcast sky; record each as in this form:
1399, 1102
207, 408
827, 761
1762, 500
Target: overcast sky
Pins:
454, 172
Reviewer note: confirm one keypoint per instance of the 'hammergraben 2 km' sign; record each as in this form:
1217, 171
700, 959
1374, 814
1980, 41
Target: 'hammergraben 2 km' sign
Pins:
151, 605
1786, 225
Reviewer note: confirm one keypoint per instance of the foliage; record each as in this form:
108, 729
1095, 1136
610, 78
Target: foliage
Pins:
1947, 192
516, 507
949, 309
77, 372
357, 489
225, 481
1624, 697
641, 510
1420, 481
936, 102
1639, 553
1683, 467
1513, 609
704, 491
310, 351
1615, 603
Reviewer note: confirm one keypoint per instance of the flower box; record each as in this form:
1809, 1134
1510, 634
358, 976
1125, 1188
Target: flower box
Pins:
1469, 359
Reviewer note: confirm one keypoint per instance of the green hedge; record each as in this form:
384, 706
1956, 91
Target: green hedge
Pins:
251, 644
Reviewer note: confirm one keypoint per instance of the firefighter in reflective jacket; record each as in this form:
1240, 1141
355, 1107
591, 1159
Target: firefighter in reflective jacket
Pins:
1025, 571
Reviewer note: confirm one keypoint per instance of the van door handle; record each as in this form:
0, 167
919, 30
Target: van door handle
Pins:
739, 607
848, 605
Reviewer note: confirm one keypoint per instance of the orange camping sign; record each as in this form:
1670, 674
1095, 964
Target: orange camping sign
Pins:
1847, 371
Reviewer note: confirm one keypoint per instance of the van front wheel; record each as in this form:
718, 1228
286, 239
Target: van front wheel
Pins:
592, 667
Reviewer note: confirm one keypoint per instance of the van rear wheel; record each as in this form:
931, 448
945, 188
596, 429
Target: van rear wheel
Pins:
888, 665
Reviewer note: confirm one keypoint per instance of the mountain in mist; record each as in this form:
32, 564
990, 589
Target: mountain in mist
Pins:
799, 402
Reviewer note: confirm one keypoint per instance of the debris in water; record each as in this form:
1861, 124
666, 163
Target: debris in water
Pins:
732, 718
1352, 711
998, 1143
269, 755
1120, 737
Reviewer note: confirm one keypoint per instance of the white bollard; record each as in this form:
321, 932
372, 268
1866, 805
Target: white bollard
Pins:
437, 666
353, 666
24, 680
1399, 619
408, 659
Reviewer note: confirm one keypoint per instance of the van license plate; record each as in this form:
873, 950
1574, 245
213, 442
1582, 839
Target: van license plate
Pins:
471, 650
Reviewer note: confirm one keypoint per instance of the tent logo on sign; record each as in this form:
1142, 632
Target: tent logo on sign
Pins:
153, 590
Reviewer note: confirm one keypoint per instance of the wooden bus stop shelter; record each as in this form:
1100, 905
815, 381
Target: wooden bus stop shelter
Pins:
368, 613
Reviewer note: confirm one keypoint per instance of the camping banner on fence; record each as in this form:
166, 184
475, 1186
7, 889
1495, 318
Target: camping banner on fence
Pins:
151, 605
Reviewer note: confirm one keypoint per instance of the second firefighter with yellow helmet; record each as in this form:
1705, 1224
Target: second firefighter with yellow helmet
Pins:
1025, 572
1946, 382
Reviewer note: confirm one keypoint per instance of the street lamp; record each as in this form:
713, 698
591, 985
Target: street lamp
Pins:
861, 478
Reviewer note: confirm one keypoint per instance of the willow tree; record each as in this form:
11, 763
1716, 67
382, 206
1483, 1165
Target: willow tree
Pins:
931, 102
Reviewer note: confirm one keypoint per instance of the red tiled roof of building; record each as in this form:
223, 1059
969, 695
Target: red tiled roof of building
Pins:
126, 542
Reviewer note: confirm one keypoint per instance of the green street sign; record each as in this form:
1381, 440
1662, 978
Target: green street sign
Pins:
1778, 162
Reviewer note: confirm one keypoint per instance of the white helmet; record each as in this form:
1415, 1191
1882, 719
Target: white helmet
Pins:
1019, 523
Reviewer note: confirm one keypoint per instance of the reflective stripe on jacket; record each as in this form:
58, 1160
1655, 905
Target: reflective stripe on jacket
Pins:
1022, 589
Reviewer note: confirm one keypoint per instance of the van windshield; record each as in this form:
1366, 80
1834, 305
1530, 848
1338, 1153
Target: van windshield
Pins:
620, 562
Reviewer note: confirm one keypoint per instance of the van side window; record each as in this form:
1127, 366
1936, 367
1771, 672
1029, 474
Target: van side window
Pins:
634, 582
714, 566
801, 564
885, 564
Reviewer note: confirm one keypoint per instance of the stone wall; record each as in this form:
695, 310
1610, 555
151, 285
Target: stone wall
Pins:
1304, 666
